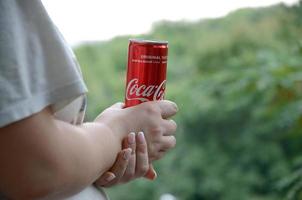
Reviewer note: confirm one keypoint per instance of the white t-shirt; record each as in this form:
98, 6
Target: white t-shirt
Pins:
38, 69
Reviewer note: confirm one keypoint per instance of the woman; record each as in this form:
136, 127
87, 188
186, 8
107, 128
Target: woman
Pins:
46, 152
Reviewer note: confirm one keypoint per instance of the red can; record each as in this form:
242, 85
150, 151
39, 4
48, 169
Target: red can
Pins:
146, 71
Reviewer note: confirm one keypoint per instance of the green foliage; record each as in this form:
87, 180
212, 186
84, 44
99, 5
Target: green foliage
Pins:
238, 83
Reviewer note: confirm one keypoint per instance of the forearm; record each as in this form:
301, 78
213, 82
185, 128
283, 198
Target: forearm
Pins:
83, 153
53, 158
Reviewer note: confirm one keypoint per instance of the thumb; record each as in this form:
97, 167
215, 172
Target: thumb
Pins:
105, 178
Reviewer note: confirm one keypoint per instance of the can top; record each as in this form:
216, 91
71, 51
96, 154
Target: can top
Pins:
143, 41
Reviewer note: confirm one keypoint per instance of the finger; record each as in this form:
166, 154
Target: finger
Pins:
130, 171
158, 156
142, 163
170, 127
151, 174
118, 105
168, 108
167, 142
105, 178
129, 142
119, 166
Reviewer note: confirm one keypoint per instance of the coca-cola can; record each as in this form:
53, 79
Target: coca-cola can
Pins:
146, 71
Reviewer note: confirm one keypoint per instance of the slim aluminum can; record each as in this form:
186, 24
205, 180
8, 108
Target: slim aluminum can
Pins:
146, 71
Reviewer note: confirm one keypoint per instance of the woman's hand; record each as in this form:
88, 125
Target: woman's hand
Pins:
132, 162
152, 118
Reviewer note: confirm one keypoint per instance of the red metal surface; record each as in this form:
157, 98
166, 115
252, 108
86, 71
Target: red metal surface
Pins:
146, 71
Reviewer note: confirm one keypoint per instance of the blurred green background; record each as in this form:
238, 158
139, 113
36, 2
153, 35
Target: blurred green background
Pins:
238, 83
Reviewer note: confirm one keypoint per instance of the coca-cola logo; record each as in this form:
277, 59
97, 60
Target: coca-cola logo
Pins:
134, 91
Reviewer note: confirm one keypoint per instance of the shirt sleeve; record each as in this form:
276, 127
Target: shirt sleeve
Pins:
37, 69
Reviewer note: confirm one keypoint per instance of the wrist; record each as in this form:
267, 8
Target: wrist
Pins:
105, 144
114, 130
116, 127
97, 130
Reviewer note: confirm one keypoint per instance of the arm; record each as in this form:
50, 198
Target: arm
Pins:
42, 156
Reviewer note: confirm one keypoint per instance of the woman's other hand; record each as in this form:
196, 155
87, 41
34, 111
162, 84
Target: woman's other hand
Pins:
131, 163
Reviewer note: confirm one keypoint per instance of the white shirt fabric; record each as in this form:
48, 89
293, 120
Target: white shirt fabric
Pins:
37, 70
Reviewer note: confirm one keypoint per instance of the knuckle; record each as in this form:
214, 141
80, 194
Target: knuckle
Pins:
156, 130
153, 149
151, 109
142, 148
122, 164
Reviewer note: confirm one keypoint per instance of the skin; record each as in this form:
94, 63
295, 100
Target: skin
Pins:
132, 162
45, 158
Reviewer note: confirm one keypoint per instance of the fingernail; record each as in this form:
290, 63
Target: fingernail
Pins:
131, 138
109, 176
154, 175
141, 137
127, 154
151, 174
